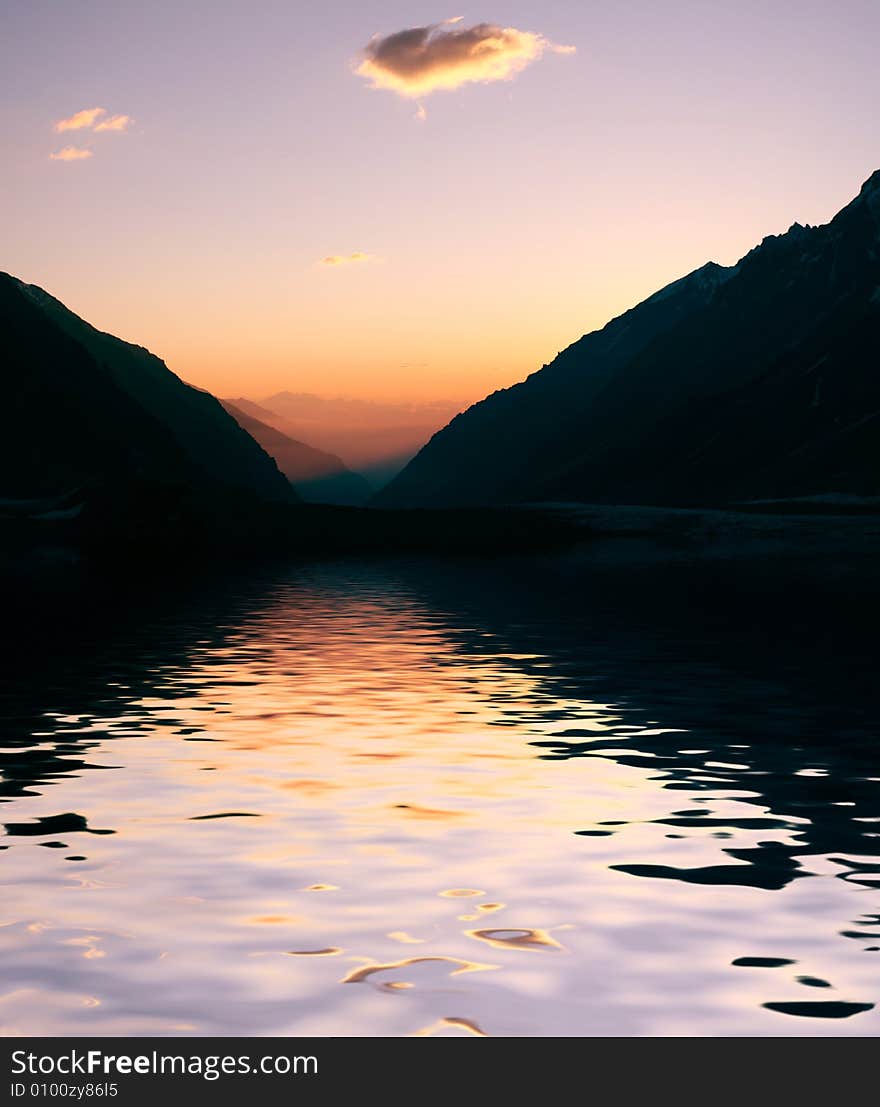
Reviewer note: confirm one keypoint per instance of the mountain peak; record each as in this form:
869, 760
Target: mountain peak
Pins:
707, 392
871, 185
869, 198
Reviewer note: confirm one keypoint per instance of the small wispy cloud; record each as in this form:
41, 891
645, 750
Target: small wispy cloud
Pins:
345, 259
89, 119
80, 120
115, 123
443, 56
70, 153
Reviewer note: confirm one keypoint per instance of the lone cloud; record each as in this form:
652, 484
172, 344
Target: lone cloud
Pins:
422, 60
114, 123
70, 153
80, 120
345, 259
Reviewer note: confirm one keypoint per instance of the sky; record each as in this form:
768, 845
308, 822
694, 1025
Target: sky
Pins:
287, 195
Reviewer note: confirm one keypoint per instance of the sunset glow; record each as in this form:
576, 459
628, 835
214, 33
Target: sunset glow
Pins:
515, 200
422, 60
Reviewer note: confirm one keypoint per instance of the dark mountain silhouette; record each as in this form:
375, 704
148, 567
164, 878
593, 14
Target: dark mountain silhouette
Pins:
317, 476
374, 438
108, 456
257, 411
757, 380
84, 409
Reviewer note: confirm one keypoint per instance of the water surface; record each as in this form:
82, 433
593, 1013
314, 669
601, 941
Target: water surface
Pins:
536, 797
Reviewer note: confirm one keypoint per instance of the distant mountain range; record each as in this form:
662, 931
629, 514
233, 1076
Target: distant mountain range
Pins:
757, 380
375, 439
317, 476
107, 458
82, 409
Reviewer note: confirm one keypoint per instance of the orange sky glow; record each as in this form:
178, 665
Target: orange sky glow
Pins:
386, 203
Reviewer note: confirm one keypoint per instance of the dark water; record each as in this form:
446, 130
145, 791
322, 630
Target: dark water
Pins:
547, 796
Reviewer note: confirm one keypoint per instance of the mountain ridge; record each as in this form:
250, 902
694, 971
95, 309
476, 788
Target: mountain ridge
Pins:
73, 391
373, 438
317, 476
637, 410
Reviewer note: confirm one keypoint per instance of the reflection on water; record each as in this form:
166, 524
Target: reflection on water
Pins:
515, 799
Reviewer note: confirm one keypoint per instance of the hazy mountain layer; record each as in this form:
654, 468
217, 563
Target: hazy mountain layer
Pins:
376, 439
318, 477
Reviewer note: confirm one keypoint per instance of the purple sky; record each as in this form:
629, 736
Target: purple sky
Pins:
514, 216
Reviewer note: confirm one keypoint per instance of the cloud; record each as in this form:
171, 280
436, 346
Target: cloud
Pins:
90, 119
346, 259
421, 60
114, 123
80, 120
70, 153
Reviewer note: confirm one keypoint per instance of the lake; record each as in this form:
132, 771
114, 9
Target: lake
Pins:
536, 796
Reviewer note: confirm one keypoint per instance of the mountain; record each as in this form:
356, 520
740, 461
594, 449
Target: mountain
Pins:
258, 412
317, 476
84, 409
757, 380
375, 439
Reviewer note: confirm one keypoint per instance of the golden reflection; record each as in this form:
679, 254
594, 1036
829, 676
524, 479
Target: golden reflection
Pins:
427, 812
92, 944
448, 1023
407, 939
366, 735
311, 788
516, 939
328, 951
356, 976
273, 920
482, 909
